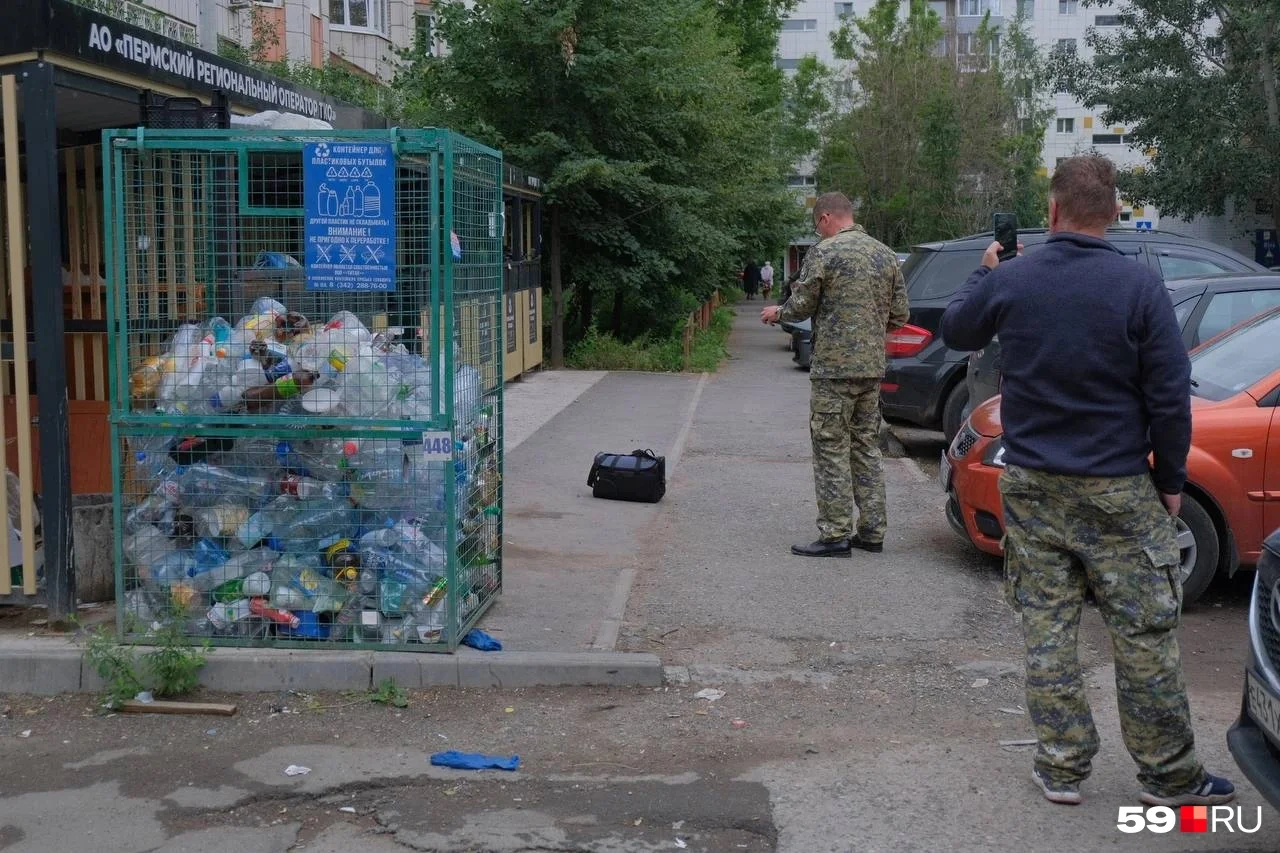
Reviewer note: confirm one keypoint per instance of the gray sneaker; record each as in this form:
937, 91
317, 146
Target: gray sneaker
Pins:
1062, 793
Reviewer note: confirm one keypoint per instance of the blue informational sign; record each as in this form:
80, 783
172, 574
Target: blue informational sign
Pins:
1143, 225
350, 197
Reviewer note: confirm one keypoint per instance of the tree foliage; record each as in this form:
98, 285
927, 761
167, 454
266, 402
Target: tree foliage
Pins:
1195, 84
930, 144
655, 127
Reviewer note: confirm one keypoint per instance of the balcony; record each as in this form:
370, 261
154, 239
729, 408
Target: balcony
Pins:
140, 15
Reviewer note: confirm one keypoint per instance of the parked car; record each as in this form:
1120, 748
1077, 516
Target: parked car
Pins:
1205, 307
1233, 471
801, 345
1254, 740
925, 380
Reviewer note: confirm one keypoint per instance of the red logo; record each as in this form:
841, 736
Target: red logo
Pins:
1194, 819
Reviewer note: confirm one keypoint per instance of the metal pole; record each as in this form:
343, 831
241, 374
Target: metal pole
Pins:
40, 126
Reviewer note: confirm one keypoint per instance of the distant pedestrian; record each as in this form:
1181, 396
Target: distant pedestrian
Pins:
851, 286
1082, 508
766, 280
751, 279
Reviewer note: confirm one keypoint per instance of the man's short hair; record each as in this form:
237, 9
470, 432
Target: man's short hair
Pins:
1085, 189
837, 204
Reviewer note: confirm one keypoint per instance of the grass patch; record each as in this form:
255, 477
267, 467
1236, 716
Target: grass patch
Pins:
602, 351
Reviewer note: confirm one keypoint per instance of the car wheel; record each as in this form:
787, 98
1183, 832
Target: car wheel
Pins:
953, 410
1198, 549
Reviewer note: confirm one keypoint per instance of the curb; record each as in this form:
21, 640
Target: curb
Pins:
45, 669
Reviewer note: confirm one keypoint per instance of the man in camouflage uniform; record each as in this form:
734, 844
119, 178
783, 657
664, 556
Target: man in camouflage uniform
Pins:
851, 286
1082, 508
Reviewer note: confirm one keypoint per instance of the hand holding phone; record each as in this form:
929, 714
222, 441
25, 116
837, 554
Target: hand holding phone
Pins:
1005, 227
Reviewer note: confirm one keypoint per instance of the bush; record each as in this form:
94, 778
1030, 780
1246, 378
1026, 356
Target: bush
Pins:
602, 351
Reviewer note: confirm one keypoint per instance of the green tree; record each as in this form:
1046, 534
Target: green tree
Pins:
931, 143
648, 123
1194, 83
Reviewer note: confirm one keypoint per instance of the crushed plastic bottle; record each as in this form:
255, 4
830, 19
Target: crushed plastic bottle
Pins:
205, 485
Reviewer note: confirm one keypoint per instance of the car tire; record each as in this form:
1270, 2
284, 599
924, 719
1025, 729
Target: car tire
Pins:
953, 410
1198, 548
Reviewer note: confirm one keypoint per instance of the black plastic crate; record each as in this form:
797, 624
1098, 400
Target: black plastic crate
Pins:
159, 111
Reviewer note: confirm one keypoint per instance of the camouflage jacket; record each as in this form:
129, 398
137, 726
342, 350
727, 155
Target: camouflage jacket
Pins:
851, 286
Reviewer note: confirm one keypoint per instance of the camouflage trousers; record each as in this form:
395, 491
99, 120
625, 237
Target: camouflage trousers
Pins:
1112, 535
844, 422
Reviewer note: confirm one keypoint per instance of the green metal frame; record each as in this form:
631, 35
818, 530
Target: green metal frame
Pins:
441, 148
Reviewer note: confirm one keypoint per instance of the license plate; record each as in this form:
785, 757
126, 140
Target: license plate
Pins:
944, 472
1263, 708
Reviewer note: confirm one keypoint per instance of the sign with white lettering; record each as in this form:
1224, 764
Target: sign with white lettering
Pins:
349, 192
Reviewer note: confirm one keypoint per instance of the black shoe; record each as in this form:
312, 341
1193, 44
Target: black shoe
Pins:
873, 547
838, 548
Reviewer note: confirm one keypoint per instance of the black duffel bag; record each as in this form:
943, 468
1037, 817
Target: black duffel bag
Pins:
639, 476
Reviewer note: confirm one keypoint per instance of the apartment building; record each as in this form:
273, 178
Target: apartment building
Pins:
362, 35
1055, 25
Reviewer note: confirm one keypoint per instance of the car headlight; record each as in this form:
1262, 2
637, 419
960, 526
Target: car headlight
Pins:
994, 455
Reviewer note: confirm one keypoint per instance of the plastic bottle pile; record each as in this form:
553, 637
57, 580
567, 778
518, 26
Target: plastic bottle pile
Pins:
329, 537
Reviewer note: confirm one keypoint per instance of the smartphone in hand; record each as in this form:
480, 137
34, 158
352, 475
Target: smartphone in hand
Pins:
1005, 226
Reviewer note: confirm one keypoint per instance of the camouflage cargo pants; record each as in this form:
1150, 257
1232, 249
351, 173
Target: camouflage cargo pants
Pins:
844, 422
1111, 534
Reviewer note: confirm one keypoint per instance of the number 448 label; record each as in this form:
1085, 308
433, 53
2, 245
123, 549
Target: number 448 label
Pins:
437, 447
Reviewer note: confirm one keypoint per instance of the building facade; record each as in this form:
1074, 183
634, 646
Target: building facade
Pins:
1073, 129
364, 36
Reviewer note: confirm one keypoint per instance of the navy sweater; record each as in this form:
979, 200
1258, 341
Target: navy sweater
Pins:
1095, 372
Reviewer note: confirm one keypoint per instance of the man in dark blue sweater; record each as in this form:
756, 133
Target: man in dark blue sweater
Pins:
1096, 379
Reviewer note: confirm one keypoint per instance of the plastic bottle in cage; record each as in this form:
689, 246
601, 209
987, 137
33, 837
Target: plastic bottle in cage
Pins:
305, 488
262, 523
220, 520
240, 566
208, 555
378, 481
259, 607
313, 524
144, 548
466, 398
172, 568
247, 374
221, 330
205, 485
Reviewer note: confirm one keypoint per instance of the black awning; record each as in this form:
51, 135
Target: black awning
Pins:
66, 28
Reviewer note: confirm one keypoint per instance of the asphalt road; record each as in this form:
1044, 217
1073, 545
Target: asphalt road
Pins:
871, 704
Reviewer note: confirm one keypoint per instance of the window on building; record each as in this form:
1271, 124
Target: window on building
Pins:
970, 44
799, 25
1108, 21
1065, 47
1125, 215
1110, 139
1066, 125
424, 32
360, 14
970, 7
1026, 8
1068, 7
802, 181
787, 64
1216, 48
844, 9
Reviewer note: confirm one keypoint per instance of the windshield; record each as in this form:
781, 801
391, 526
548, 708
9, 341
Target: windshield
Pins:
1238, 360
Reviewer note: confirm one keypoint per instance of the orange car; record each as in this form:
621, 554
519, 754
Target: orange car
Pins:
1232, 497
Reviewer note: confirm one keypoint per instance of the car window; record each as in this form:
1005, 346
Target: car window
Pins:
1237, 361
1175, 265
939, 274
1183, 310
1227, 309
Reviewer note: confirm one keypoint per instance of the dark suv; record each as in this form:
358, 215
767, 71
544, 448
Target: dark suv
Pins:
925, 380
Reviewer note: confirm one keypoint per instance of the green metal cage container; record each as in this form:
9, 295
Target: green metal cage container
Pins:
306, 384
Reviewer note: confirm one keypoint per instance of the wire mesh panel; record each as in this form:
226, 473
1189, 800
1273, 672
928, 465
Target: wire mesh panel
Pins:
306, 400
